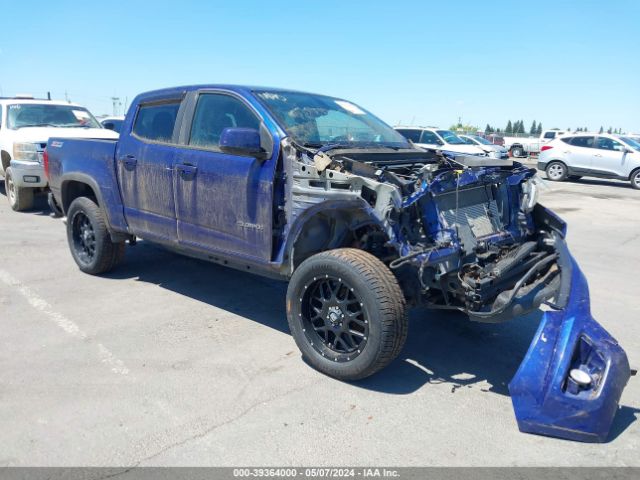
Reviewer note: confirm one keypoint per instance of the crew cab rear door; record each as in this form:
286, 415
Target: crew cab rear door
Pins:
145, 159
224, 202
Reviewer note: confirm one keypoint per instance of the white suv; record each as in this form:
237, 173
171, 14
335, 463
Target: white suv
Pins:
592, 155
439, 139
25, 128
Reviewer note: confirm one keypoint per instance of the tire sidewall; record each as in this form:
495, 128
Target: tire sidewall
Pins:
304, 275
8, 182
91, 210
635, 180
564, 173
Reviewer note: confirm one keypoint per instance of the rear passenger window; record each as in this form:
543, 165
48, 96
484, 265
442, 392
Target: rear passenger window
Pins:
413, 135
214, 113
585, 142
550, 135
156, 122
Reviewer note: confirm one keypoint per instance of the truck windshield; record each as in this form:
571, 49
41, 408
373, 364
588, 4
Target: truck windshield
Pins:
316, 120
21, 115
449, 137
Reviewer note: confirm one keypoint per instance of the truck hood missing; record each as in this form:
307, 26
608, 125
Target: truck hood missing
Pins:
466, 233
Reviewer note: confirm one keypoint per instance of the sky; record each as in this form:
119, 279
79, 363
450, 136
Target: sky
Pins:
566, 64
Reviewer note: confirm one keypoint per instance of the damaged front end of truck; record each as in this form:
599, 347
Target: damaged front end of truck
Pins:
467, 234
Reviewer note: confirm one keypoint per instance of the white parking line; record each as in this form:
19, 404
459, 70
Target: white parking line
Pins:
106, 356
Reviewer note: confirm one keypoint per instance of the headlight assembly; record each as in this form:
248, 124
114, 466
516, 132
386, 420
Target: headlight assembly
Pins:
529, 194
25, 151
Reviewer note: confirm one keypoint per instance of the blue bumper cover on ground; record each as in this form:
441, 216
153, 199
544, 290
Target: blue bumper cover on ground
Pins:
547, 399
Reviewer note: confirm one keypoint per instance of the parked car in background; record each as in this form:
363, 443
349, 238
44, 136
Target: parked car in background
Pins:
439, 139
524, 146
495, 138
592, 155
25, 128
112, 123
490, 149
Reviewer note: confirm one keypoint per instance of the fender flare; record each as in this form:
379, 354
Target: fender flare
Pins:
90, 181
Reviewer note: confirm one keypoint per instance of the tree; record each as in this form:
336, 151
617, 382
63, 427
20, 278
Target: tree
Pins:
609, 131
585, 129
532, 130
579, 129
601, 130
509, 129
539, 132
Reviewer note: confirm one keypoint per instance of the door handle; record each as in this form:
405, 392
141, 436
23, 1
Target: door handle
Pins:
129, 161
597, 155
186, 171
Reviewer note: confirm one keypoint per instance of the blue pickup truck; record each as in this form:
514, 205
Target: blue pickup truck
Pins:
317, 191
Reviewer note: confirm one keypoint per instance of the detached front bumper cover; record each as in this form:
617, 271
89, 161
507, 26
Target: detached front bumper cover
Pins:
571, 379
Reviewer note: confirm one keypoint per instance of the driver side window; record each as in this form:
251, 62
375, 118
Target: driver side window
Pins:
605, 143
215, 112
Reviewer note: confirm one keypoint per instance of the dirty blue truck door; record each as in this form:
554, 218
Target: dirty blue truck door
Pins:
145, 171
223, 201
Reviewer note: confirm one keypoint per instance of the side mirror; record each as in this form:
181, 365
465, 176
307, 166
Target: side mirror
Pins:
109, 125
242, 141
627, 150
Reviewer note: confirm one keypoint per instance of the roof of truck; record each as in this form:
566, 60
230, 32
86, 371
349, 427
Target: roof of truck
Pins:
36, 101
180, 90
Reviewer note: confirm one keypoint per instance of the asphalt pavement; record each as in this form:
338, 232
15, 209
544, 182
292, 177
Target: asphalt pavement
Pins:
174, 361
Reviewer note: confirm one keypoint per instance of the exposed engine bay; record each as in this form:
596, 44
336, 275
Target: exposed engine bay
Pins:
458, 232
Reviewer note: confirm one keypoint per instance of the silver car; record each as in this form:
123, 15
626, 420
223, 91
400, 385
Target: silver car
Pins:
496, 151
592, 155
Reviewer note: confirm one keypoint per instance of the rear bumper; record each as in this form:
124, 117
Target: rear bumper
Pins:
28, 174
546, 400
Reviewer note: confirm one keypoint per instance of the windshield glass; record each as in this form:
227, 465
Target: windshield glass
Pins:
450, 137
22, 115
481, 140
632, 142
316, 120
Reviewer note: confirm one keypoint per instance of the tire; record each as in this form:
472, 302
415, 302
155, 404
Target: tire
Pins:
635, 179
348, 294
517, 152
556, 171
89, 240
20, 198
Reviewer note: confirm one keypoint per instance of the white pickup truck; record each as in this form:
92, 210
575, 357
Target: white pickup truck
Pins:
523, 146
25, 128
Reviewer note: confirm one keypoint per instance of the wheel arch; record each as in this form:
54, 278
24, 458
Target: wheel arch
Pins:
327, 226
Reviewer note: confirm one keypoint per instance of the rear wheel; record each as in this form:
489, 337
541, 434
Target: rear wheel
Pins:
89, 239
517, 152
635, 179
19, 198
346, 313
556, 171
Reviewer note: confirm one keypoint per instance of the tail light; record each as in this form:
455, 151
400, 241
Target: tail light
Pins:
45, 163
545, 147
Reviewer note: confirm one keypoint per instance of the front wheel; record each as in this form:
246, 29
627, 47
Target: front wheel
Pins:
635, 179
346, 313
20, 198
556, 171
89, 239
